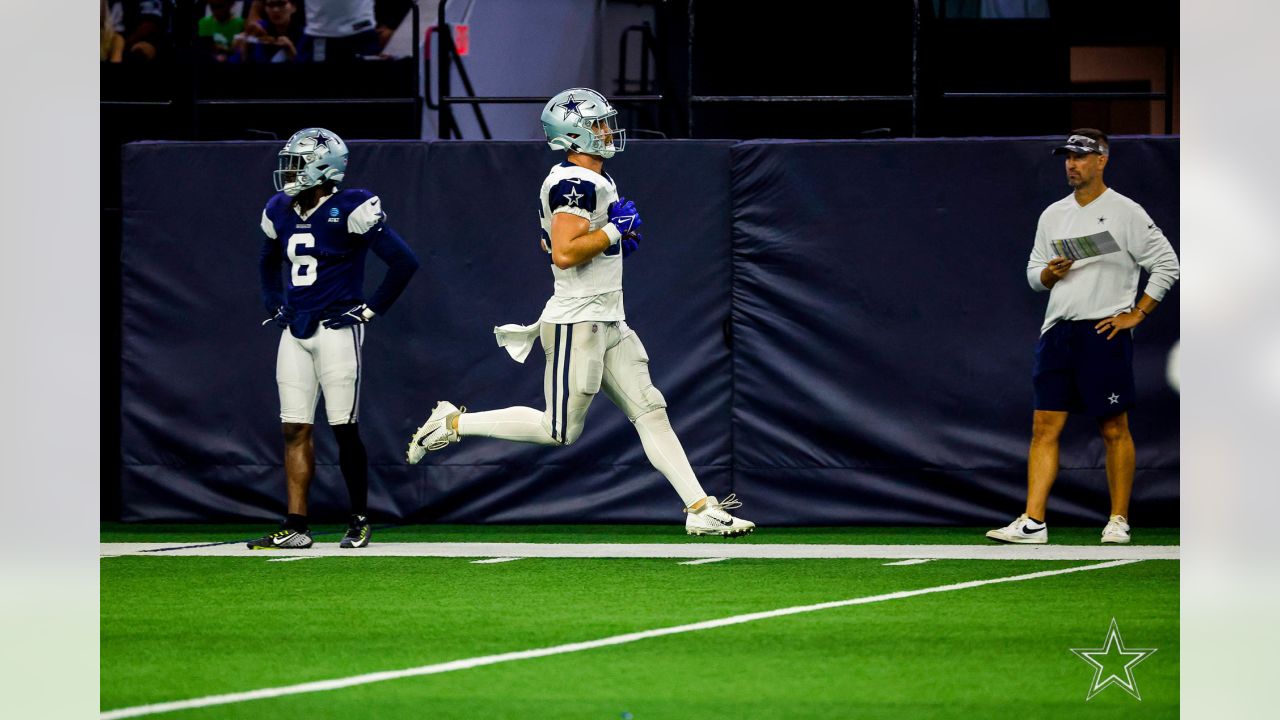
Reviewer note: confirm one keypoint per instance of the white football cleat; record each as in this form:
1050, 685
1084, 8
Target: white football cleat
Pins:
713, 520
436, 433
1023, 531
1117, 531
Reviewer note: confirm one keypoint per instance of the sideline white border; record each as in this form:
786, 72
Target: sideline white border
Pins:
467, 663
667, 550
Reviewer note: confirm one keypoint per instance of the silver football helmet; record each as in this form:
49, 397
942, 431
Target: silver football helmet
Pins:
582, 120
309, 158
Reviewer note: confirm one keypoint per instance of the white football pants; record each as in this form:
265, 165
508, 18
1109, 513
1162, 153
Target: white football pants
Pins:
581, 360
328, 361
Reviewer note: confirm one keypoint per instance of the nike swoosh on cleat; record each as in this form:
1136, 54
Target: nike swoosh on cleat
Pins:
1025, 531
725, 523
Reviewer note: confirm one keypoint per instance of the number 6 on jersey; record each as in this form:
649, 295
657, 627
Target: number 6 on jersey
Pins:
304, 266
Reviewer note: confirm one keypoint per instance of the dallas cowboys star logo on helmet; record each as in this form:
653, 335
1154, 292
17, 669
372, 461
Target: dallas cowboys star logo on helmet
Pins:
321, 139
571, 107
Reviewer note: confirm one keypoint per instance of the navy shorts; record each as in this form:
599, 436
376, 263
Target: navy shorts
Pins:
1079, 370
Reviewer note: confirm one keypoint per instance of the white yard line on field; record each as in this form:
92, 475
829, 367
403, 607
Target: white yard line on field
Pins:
467, 663
682, 550
704, 561
295, 557
490, 561
912, 561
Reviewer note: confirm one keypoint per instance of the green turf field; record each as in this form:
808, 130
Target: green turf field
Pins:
177, 628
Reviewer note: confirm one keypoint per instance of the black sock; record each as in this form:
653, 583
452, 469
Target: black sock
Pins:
354, 461
295, 522
1038, 522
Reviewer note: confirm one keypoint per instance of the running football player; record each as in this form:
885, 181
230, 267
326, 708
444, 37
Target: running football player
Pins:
587, 232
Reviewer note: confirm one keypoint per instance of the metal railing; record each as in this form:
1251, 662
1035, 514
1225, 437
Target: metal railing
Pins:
913, 98
447, 58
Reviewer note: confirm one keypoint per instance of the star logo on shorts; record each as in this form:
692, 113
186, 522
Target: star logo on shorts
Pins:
1114, 398
573, 197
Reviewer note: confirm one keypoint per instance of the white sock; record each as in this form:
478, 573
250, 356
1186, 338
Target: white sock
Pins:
519, 424
667, 455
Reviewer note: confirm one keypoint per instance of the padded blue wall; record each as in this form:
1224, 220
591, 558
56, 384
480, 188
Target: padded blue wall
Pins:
885, 331
842, 329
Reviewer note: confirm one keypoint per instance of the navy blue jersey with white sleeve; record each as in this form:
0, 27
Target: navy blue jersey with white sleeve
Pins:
324, 250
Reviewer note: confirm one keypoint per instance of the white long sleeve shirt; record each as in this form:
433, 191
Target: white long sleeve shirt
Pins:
1105, 285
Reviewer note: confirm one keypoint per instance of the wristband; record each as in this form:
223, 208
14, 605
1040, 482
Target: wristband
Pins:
613, 232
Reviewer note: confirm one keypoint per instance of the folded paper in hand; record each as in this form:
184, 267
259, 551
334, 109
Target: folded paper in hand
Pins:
1085, 247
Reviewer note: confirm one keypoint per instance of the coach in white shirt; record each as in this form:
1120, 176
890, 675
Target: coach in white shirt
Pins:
1088, 250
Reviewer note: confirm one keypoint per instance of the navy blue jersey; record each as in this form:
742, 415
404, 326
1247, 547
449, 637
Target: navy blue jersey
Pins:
324, 254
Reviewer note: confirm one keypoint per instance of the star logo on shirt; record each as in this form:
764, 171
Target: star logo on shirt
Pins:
1101, 220
1114, 398
1115, 661
573, 197
570, 107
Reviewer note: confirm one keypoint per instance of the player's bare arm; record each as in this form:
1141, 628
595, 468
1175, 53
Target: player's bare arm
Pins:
573, 242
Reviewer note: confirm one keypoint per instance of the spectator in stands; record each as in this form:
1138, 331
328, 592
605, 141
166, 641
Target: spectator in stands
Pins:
112, 44
144, 29
390, 13
218, 29
340, 30
274, 38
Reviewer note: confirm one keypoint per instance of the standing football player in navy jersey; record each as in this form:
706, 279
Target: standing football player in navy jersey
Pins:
587, 230
324, 235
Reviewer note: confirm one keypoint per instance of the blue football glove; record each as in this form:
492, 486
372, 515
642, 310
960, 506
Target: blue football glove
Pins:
624, 216
357, 315
630, 243
283, 316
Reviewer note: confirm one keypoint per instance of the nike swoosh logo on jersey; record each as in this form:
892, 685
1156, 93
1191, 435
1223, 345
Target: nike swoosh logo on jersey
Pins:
575, 181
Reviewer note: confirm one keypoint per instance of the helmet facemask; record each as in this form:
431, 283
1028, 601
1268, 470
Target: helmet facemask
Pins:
604, 137
290, 176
